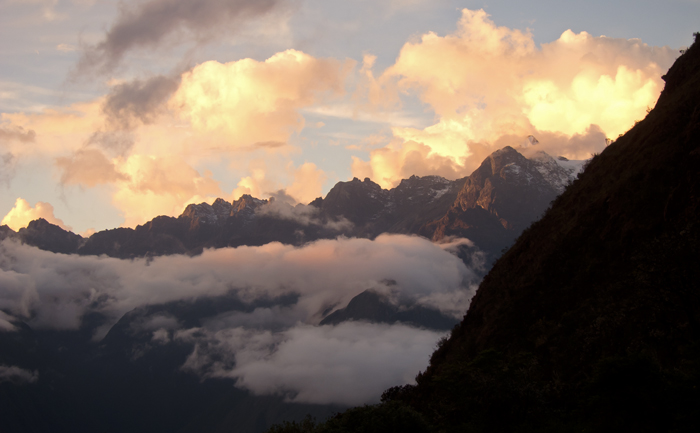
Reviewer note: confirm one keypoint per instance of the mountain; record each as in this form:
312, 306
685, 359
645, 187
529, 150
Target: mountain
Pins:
591, 321
502, 197
373, 307
491, 207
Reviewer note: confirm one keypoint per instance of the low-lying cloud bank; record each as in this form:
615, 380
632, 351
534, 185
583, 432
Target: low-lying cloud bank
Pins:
351, 363
55, 290
273, 349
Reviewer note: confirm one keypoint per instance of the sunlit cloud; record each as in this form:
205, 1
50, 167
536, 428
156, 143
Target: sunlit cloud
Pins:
268, 176
251, 102
23, 213
491, 85
160, 186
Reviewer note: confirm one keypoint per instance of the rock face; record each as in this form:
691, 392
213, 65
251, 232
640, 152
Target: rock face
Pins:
502, 197
490, 207
50, 237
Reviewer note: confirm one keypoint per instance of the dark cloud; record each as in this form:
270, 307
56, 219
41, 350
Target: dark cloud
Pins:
138, 101
150, 24
117, 142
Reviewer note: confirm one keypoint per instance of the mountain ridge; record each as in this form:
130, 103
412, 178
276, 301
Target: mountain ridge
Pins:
430, 206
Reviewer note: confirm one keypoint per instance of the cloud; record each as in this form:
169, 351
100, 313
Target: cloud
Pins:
55, 290
88, 167
154, 23
137, 101
17, 133
66, 48
401, 160
302, 184
11, 373
276, 348
348, 364
23, 213
489, 84
10, 135
6, 324
283, 206
159, 185
8, 168
252, 102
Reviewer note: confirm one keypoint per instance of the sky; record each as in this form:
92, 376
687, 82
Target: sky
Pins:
113, 112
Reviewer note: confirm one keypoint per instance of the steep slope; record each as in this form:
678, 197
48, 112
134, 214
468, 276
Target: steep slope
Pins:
612, 267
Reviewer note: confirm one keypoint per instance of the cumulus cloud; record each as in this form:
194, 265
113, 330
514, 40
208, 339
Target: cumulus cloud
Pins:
14, 374
23, 213
348, 364
489, 84
256, 103
153, 23
143, 139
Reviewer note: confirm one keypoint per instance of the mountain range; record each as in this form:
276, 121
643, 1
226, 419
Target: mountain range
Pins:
131, 376
491, 207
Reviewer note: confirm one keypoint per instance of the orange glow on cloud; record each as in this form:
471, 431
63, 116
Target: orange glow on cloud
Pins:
257, 102
160, 186
304, 183
23, 213
492, 86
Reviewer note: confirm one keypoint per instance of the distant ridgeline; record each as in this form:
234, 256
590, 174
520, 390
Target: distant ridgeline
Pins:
591, 321
491, 208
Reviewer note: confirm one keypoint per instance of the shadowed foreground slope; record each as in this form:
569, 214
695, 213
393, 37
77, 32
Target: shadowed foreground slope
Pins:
591, 321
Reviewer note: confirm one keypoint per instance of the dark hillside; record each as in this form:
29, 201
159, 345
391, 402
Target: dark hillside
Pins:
591, 321
612, 268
